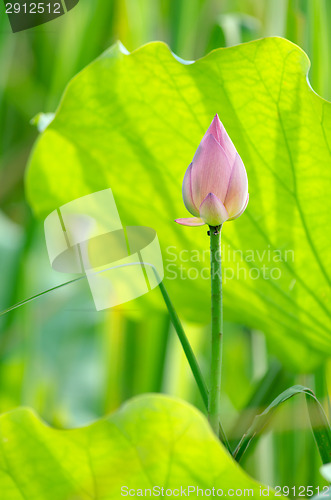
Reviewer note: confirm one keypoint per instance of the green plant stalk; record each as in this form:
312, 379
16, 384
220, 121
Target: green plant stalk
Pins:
191, 360
214, 403
186, 345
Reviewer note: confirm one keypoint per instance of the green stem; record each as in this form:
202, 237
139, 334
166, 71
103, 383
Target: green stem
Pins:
186, 345
214, 404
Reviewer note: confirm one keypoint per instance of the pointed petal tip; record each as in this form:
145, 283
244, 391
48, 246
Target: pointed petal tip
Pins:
217, 123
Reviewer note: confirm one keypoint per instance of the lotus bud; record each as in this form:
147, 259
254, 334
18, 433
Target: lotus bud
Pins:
215, 185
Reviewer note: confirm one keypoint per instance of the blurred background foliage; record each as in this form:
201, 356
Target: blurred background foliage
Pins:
57, 354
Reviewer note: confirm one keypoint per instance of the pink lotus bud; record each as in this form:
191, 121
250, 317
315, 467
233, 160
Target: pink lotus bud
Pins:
215, 186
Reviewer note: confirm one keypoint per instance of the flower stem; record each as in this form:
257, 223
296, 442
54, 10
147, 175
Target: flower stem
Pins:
214, 404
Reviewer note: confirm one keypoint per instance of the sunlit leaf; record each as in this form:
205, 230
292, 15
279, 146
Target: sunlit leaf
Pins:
153, 441
132, 122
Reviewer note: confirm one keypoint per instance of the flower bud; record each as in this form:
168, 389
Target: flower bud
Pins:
215, 186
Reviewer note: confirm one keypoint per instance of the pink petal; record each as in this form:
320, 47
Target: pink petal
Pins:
187, 192
242, 210
211, 171
212, 211
190, 221
237, 188
217, 130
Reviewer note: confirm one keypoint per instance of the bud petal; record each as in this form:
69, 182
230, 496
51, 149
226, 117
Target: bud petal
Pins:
187, 192
211, 171
242, 210
212, 211
190, 221
237, 189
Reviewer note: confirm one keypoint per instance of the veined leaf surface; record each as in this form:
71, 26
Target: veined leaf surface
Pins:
132, 122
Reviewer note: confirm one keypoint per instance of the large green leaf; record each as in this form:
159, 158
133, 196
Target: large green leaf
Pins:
132, 122
151, 441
